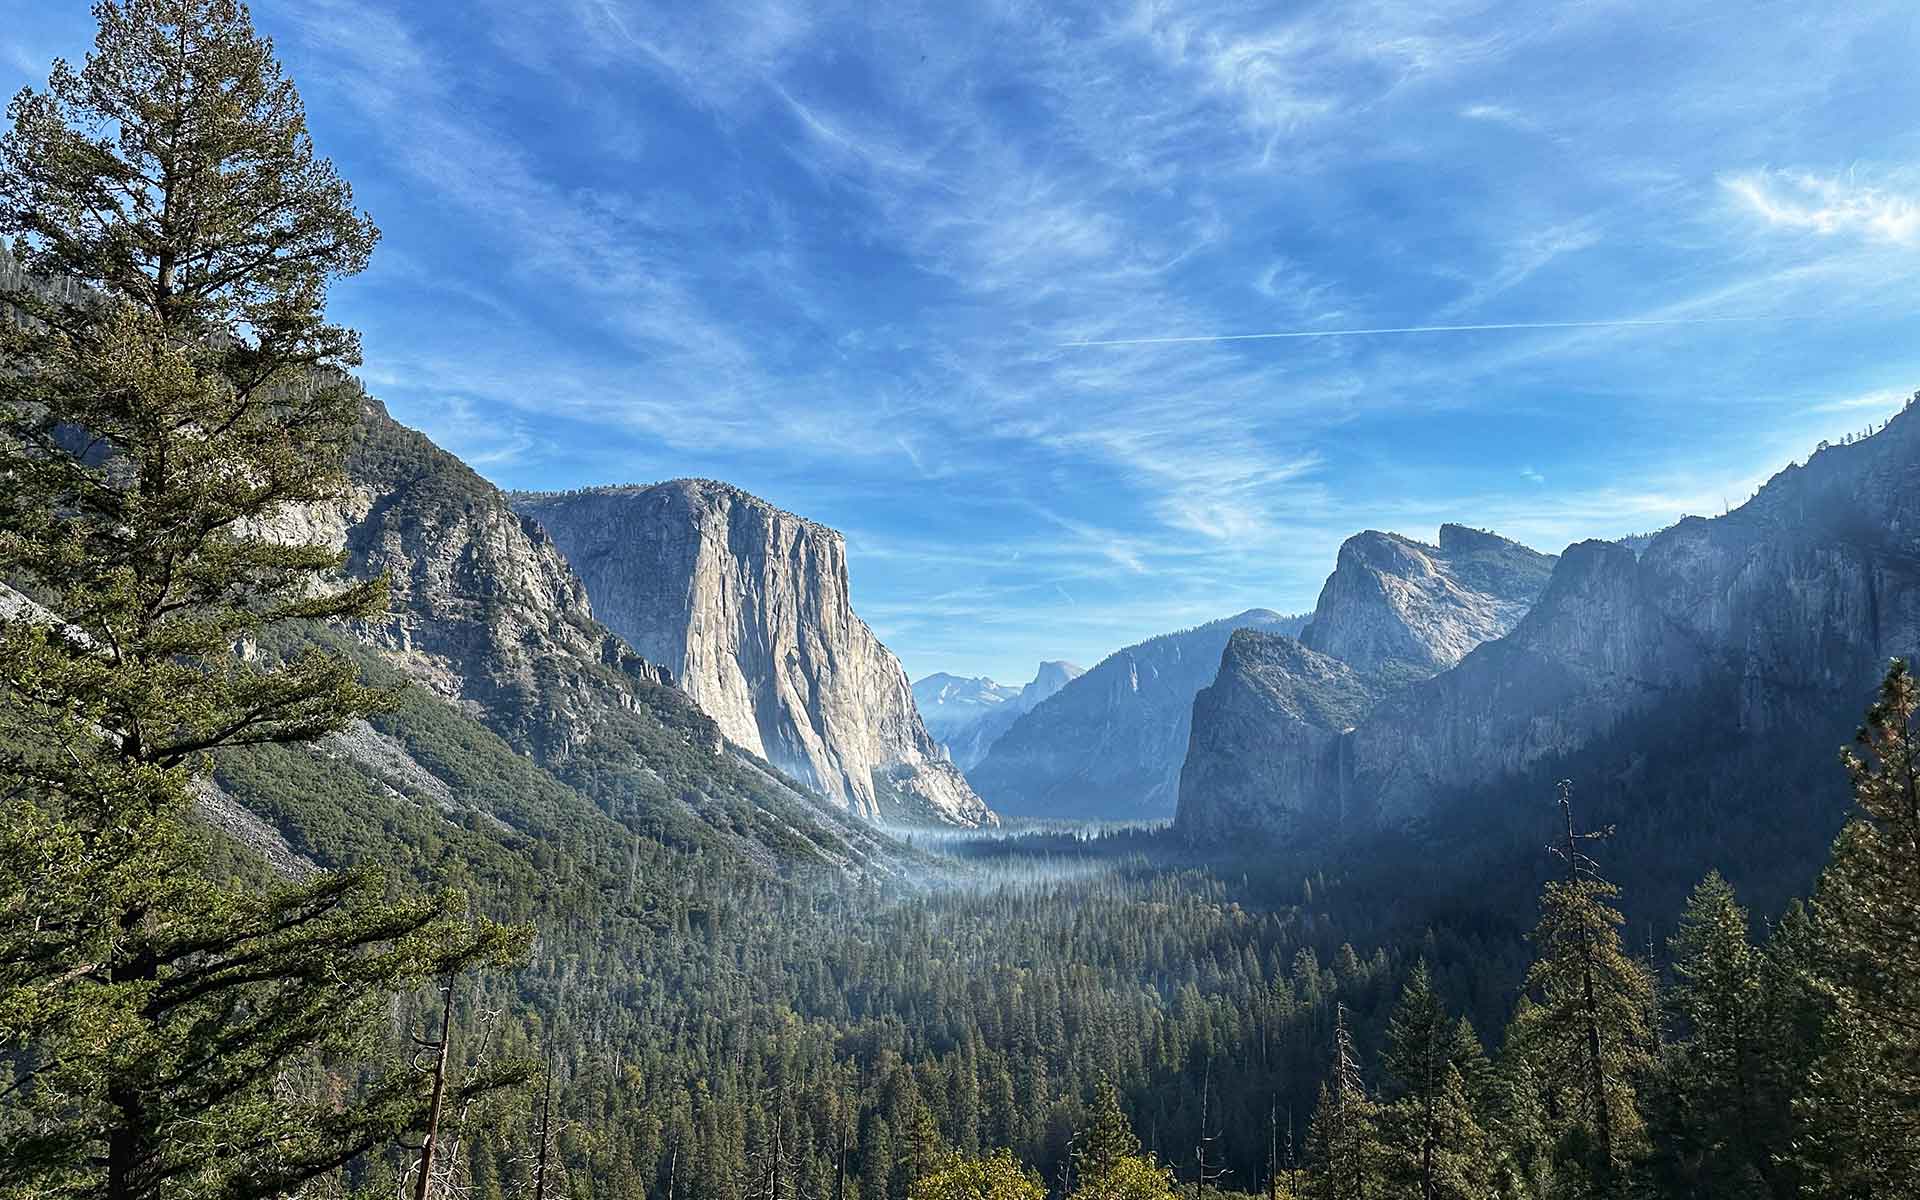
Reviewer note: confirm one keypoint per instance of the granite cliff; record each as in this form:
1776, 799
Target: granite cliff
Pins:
1396, 608
498, 634
748, 607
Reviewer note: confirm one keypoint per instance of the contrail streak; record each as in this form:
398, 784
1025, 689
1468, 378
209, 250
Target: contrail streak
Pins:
1327, 333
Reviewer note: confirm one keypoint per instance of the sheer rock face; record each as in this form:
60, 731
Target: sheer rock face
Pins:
1398, 608
1782, 612
485, 611
1109, 745
1791, 605
1270, 725
748, 607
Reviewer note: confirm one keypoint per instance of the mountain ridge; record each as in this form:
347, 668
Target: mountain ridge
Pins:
1774, 615
968, 722
1393, 611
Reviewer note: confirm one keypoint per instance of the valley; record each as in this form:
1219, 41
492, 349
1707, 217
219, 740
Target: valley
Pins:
394, 805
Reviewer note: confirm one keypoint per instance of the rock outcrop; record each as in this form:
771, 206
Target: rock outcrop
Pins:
1270, 724
967, 716
1396, 608
748, 607
1266, 750
1774, 617
1108, 746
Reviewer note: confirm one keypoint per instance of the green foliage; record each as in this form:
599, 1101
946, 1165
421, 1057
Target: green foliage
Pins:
1436, 1145
998, 1176
1862, 1112
1590, 1036
155, 422
1344, 1140
1131, 1177
1106, 1139
1715, 1128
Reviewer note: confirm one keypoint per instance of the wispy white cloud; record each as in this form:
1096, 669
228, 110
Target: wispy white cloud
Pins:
1829, 205
1880, 400
1523, 256
1500, 114
838, 249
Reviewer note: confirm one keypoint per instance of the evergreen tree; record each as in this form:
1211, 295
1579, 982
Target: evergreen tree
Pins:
1589, 1030
1107, 1158
1344, 1138
1438, 1148
1714, 1128
1861, 1133
1517, 1112
1107, 1138
1791, 1022
155, 421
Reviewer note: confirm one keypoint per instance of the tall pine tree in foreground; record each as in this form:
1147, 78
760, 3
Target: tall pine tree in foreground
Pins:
1860, 1118
1718, 1139
155, 420
1438, 1149
1587, 1037
1107, 1159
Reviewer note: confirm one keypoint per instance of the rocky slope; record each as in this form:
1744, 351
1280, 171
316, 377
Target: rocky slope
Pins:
1394, 611
1109, 744
493, 627
748, 607
1396, 608
1756, 629
967, 716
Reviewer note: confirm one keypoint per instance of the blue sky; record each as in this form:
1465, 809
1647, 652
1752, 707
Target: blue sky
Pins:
837, 254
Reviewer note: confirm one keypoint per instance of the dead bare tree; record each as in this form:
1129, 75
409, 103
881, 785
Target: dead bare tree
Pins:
1208, 1172
423, 1168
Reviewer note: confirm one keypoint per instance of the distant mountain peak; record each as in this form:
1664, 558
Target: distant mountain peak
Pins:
967, 715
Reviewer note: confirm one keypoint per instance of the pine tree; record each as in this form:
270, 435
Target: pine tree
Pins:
1589, 1030
1793, 1006
1518, 1107
1107, 1137
1343, 1136
1713, 1069
161, 410
1108, 1163
1861, 1114
1438, 1147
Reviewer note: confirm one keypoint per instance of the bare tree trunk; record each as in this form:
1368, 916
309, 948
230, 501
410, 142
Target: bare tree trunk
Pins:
546, 1115
423, 1186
